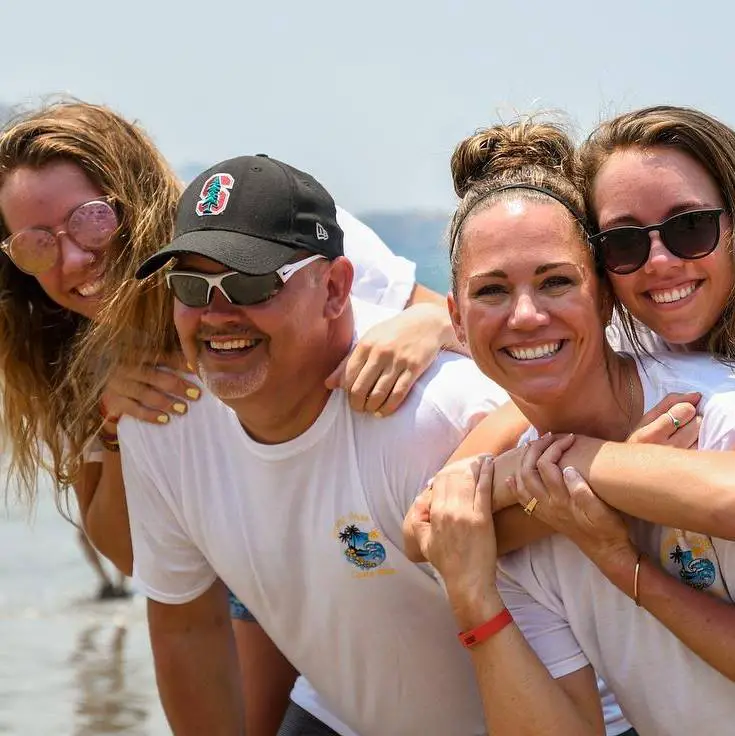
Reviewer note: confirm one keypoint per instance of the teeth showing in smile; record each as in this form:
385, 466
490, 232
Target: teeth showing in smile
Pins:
91, 288
672, 295
238, 344
540, 351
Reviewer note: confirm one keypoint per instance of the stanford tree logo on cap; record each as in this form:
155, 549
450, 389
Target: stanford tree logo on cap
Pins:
215, 194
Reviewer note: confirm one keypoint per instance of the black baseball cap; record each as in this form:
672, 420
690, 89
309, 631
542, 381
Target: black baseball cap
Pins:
250, 214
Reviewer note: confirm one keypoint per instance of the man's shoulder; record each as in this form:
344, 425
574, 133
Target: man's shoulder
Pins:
454, 382
206, 414
452, 394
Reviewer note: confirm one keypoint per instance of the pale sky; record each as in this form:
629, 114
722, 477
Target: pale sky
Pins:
371, 98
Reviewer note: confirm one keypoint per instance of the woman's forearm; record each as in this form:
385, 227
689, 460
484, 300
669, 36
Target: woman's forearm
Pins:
664, 485
703, 623
105, 514
519, 695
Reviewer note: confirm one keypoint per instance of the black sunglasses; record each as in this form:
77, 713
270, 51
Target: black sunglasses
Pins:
688, 235
194, 289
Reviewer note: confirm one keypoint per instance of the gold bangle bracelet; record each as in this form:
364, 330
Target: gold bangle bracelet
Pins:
636, 576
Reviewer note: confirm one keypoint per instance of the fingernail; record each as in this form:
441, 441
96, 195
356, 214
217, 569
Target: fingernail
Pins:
570, 474
179, 408
378, 414
193, 393
190, 367
162, 418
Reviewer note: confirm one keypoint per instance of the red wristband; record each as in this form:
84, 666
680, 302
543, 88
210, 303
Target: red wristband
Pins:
484, 631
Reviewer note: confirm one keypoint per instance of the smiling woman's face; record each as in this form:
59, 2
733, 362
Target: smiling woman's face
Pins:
681, 300
528, 302
44, 198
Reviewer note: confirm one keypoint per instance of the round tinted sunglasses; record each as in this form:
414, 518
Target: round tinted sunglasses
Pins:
688, 235
34, 250
194, 289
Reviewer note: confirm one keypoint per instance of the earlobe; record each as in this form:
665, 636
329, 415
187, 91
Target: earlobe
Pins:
339, 285
456, 318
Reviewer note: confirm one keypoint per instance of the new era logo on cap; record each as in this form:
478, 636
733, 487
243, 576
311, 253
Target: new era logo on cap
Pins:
215, 194
321, 233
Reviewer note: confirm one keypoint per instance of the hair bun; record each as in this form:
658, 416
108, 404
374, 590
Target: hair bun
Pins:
491, 152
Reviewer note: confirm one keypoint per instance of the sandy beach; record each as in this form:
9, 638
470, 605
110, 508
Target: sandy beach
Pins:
69, 666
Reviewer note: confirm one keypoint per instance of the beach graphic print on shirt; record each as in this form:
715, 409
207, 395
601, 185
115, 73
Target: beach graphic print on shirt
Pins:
362, 549
692, 558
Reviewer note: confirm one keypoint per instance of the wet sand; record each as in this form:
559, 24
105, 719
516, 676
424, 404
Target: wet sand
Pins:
69, 666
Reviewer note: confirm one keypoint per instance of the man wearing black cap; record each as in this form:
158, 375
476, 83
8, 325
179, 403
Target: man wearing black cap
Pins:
294, 500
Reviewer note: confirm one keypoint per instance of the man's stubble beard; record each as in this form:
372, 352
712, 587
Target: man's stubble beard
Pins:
236, 385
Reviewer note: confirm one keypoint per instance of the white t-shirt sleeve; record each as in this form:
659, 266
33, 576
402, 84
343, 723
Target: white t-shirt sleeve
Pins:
718, 423
167, 565
448, 401
381, 277
547, 632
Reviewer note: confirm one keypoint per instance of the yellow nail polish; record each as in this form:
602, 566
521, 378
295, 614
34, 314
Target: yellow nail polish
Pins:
162, 418
179, 408
190, 367
193, 393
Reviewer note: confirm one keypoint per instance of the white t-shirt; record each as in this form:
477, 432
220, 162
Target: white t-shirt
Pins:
381, 277
572, 615
308, 534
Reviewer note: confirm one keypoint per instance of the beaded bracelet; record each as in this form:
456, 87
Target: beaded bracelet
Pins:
109, 441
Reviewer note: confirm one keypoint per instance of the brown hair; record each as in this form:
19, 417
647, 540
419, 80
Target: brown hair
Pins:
706, 139
538, 154
39, 341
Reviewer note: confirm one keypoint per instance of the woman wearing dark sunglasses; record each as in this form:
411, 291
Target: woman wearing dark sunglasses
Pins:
528, 301
659, 185
84, 198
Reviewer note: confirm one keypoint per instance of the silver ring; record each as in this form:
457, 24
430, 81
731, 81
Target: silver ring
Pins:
674, 420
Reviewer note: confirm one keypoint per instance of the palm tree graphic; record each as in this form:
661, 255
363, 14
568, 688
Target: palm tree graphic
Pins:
677, 556
348, 534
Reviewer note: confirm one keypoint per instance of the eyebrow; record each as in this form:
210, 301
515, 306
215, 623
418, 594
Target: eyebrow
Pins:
627, 220
538, 272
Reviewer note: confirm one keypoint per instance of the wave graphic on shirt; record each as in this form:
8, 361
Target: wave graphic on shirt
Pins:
361, 550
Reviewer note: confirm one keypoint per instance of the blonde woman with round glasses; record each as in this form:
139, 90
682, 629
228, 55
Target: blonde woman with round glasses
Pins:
84, 198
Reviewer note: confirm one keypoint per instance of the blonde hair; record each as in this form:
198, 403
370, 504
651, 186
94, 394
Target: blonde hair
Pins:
537, 154
43, 377
701, 136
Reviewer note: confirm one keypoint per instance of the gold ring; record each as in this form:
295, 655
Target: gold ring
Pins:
676, 422
531, 505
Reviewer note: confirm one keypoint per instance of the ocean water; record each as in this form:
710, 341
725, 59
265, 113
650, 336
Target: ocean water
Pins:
70, 666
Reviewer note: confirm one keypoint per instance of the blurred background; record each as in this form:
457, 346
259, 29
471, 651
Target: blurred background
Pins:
371, 99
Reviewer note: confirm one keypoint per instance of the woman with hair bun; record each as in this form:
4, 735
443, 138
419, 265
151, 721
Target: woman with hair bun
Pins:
528, 301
